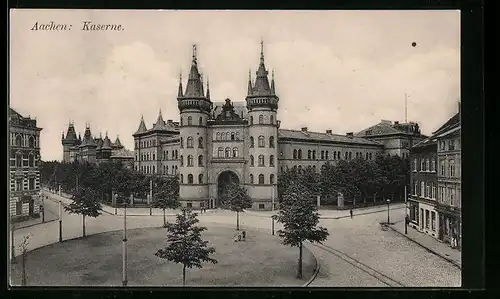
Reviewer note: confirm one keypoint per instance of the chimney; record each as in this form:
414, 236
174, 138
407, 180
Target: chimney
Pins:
396, 122
350, 134
304, 129
328, 131
169, 121
386, 121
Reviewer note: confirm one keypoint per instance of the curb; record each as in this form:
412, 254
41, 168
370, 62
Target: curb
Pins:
360, 214
457, 265
315, 273
35, 224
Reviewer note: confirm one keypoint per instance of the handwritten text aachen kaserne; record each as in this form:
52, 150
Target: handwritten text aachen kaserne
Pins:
85, 26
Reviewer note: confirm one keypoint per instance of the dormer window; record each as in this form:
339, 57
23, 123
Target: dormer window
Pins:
368, 132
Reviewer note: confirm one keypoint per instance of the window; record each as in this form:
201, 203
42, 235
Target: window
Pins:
31, 184
190, 121
261, 179
261, 160
31, 142
261, 206
326, 155
200, 142
182, 160
261, 119
154, 157
427, 219
451, 145
189, 205
31, 161
451, 194
19, 141
433, 221
251, 161
422, 189
190, 178
441, 194
350, 155
182, 179
181, 121
334, 155
357, 155
433, 194
271, 161
200, 160
217, 136
443, 166
251, 178
227, 153
427, 190
154, 169
309, 154
294, 154
433, 165
200, 178
190, 161
251, 141
314, 155
299, 154
271, 179
452, 168
251, 120
200, 121
338, 155
346, 155
190, 142
237, 135
261, 141
271, 142
427, 164
415, 187
271, 119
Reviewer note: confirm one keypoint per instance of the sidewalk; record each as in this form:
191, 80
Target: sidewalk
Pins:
336, 214
438, 248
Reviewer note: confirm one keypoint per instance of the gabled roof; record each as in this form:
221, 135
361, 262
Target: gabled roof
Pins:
316, 136
450, 124
432, 140
382, 128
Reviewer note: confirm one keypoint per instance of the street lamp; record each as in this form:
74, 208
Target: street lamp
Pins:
388, 204
13, 252
60, 221
406, 212
124, 243
273, 217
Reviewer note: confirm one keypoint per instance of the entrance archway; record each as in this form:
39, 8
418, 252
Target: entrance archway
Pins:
225, 179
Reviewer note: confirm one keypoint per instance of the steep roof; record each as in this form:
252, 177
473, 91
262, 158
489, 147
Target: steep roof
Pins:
331, 138
453, 122
122, 153
426, 142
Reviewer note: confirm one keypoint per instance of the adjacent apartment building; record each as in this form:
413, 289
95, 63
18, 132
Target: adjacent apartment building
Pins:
24, 174
435, 195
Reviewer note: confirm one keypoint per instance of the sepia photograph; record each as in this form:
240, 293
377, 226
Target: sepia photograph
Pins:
219, 148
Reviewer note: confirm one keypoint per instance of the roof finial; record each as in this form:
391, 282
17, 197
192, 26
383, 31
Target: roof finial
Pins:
179, 93
208, 88
194, 53
272, 83
249, 91
261, 50
106, 133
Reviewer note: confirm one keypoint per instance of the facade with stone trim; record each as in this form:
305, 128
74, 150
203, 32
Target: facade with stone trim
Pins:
24, 173
215, 143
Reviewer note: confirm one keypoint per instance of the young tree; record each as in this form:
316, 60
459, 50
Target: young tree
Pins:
23, 247
237, 200
185, 245
165, 195
86, 203
300, 220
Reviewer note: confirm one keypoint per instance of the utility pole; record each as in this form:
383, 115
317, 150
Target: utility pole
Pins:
406, 212
406, 107
124, 243
13, 253
60, 221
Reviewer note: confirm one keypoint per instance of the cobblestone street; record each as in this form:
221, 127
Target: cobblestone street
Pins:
358, 252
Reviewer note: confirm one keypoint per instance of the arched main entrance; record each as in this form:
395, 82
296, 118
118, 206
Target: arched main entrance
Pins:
225, 179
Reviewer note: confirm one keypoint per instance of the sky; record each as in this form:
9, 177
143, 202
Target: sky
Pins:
338, 70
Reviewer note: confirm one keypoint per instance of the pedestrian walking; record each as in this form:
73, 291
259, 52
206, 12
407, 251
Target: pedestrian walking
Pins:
350, 212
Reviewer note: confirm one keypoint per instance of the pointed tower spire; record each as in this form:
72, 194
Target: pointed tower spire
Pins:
273, 90
179, 93
208, 88
194, 87
249, 91
160, 123
201, 79
261, 86
142, 126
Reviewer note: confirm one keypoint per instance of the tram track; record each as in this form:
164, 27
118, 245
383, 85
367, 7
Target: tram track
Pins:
390, 282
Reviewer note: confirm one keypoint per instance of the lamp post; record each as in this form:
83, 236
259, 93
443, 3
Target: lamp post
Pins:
406, 212
273, 217
13, 252
43, 209
124, 243
60, 221
388, 204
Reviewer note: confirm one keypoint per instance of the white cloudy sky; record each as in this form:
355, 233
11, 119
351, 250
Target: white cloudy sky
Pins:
339, 70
